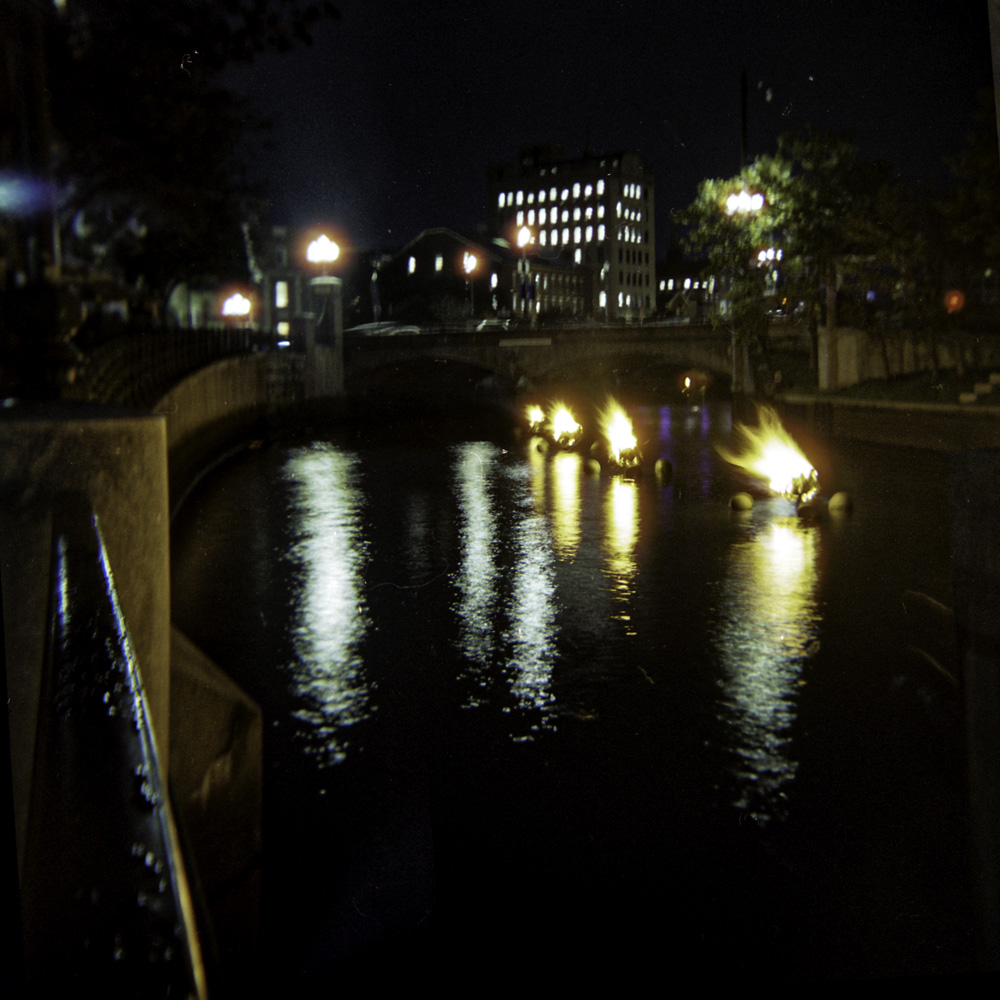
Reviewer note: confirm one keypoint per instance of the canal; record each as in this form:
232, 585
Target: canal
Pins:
524, 719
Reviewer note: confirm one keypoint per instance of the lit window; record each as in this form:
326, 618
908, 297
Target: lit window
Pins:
687, 284
438, 263
621, 299
600, 186
501, 200
541, 237
520, 197
531, 197
576, 214
602, 300
588, 190
697, 285
494, 280
565, 193
638, 191
565, 215
281, 294
552, 194
600, 211
531, 216
565, 234
590, 234
541, 196
283, 330
576, 234
411, 265
618, 209
542, 218
670, 285
600, 232
576, 190
578, 256
663, 286
554, 236
589, 212
510, 197
520, 219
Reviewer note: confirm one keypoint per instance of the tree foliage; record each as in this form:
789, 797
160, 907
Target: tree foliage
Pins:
844, 226
150, 186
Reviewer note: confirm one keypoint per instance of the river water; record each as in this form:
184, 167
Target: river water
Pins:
521, 716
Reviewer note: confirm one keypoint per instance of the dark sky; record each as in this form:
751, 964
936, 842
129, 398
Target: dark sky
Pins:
386, 125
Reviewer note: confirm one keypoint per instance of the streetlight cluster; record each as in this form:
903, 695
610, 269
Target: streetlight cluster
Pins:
742, 202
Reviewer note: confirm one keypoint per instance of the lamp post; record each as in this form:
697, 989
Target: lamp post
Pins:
742, 205
470, 262
321, 253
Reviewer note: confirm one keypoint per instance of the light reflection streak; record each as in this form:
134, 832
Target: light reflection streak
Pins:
565, 472
506, 606
532, 630
331, 615
477, 570
766, 633
621, 529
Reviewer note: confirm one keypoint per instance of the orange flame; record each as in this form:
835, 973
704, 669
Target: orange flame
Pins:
618, 431
768, 452
563, 425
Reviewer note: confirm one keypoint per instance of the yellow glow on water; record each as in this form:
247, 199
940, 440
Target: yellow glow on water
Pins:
563, 425
617, 430
621, 532
768, 452
565, 472
766, 634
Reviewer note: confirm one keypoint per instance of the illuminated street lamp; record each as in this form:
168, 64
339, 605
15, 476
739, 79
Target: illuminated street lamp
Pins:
237, 307
744, 202
469, 264
322, 251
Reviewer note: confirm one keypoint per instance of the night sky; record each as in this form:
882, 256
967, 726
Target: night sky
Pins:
386, 125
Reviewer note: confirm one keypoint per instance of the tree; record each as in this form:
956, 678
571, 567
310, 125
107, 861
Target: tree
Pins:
728, 224
149, 187
837, 220
117, 107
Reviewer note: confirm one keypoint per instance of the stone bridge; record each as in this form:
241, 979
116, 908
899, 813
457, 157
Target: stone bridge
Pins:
538, 354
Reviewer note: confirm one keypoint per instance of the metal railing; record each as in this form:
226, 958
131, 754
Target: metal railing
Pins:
105, 897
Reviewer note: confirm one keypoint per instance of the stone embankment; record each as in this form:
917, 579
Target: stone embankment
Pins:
938, 426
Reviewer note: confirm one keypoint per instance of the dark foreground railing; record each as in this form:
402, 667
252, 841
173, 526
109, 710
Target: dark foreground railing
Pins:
105, 898
138, 367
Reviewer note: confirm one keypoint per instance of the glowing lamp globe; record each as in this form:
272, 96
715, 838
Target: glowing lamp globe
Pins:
322, 250
236, 306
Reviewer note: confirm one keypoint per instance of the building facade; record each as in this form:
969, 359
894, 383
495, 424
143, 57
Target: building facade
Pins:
442, 277
594, 212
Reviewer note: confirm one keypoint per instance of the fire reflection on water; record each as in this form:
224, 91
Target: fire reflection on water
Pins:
565, 478
766, 632
621, 529
331, 614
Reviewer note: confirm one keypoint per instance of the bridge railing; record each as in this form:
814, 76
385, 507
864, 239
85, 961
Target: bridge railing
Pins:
141, 365
105, 900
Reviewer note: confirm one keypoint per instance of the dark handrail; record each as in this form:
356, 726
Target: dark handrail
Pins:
105, 899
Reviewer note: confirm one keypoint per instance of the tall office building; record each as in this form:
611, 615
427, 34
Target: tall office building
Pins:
592, 211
